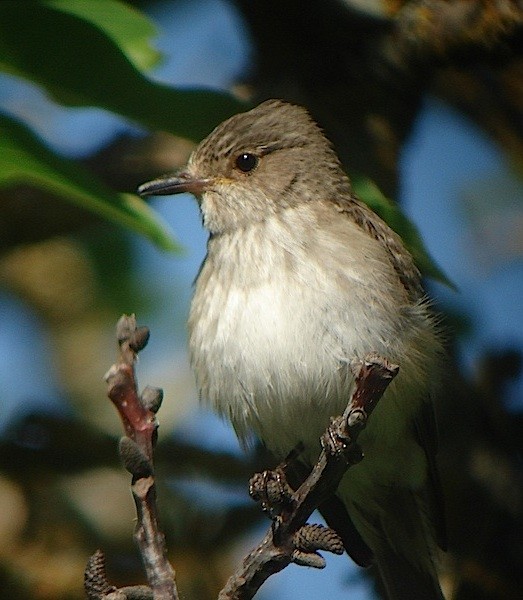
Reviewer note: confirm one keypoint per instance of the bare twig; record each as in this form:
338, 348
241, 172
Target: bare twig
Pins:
138, 414
289, 539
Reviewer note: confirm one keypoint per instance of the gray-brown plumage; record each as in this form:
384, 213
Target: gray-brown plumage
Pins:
300, 280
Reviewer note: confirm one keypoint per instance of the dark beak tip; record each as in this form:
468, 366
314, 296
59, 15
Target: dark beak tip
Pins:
166, 186
144, 189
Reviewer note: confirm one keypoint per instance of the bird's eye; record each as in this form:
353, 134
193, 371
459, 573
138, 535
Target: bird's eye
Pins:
247, 162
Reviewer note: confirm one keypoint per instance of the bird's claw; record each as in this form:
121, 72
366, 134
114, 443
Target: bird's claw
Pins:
337, 441
271, 490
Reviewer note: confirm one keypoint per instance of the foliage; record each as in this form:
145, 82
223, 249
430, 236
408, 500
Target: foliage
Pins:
98, 54
94, 57
25, 159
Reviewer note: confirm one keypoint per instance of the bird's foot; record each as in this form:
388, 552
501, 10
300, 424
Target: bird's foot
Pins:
337, 441
272, 491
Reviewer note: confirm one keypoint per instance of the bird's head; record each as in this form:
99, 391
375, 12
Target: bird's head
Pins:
253, 165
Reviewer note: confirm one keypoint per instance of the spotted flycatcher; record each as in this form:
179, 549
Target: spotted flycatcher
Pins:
302, 280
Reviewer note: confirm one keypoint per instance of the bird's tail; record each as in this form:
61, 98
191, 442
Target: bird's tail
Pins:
404, 580
403, 542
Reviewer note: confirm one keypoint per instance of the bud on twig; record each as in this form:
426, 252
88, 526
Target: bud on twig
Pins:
134, 459
151, 398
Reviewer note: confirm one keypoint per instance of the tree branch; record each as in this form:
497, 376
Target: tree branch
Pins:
138, 414
289, 539
284, 542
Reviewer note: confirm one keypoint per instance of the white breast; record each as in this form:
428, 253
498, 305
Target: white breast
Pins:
275, 325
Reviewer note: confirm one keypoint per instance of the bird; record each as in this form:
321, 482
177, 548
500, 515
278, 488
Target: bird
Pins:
302, 280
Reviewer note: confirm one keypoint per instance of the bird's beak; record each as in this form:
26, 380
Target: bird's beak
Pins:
176, 184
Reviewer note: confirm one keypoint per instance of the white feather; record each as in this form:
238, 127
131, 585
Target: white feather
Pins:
273, 336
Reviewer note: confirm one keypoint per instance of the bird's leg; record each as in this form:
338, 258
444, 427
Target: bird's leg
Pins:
289, 503
274, 490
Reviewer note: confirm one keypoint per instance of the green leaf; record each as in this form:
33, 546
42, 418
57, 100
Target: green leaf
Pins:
24, 159
369, 192
130, 29
80, 65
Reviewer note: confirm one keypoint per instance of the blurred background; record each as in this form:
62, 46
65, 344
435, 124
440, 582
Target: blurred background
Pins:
422, 99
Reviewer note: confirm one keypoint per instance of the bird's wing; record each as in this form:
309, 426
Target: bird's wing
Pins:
400, 257
426, 434
336, 516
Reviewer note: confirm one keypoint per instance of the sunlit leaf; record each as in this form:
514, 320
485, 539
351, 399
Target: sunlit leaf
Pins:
130, 29
80, 65
24, 159
92, 54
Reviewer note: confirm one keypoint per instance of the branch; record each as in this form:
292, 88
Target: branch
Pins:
289, 539
138, 414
